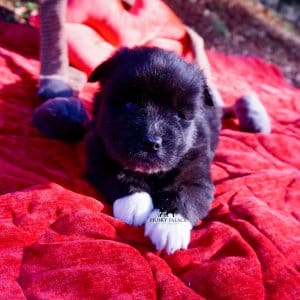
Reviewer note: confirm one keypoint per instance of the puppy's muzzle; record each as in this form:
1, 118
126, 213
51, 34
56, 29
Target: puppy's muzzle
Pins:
152, 144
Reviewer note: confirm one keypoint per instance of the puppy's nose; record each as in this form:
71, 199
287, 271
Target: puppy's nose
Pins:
152, 143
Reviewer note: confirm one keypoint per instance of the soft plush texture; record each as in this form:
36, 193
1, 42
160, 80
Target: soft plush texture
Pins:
58, 239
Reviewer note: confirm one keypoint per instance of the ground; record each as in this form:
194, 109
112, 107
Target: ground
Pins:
242, 27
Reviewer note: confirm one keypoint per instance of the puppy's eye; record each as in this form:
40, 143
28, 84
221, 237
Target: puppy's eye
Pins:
183, 116
180, 115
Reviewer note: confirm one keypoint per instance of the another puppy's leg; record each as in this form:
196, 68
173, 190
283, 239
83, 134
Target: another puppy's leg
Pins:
53, 50
63, 116
201, 60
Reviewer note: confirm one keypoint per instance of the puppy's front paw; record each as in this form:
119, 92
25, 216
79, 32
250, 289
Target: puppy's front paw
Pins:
133, 209
171, 232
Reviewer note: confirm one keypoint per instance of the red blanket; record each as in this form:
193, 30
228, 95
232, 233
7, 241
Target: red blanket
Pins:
58, 239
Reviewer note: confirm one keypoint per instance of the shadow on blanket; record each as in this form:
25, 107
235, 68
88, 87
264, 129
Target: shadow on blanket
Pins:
58, 239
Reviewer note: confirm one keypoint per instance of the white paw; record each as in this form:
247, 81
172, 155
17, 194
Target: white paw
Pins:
170, 233
133, 209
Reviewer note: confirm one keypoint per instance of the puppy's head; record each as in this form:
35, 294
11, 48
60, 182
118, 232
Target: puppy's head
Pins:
149, 106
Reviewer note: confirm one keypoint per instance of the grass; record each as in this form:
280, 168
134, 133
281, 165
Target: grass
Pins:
17, 11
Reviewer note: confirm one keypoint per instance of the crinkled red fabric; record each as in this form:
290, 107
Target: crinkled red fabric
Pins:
58, 239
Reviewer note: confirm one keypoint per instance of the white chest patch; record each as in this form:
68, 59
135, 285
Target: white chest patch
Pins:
171, 232
133, 209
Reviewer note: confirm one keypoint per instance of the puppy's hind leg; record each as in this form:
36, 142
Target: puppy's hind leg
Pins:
251, 114
249, 110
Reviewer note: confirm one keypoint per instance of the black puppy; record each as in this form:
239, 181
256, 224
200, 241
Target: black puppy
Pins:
152, 140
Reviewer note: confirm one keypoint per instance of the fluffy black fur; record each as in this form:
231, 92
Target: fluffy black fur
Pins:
154, 129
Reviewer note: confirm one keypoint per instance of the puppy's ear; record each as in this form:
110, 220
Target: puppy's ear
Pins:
102, 72
208, 96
